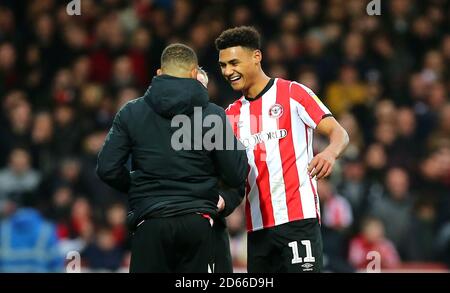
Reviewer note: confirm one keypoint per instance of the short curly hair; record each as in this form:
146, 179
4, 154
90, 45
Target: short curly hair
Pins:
245, 36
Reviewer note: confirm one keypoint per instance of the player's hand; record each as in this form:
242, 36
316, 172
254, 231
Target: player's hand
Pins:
220, 204
321, 165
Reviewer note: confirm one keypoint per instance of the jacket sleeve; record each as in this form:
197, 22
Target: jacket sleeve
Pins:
232, 166
114, 154
232, 197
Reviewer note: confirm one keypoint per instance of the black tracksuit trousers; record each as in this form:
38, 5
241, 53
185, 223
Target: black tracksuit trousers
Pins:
179, 244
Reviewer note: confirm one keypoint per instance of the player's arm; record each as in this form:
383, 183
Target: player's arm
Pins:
114, 154
322, 164
317, 116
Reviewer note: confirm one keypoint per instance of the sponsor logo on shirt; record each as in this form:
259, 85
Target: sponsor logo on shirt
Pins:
263, 137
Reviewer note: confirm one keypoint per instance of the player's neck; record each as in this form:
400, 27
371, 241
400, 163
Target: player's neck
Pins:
259, 84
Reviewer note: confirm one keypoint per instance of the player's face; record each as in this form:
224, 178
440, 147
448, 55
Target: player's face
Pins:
238, 66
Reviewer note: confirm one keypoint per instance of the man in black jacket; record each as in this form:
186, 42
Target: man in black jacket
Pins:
223, 262
173, 185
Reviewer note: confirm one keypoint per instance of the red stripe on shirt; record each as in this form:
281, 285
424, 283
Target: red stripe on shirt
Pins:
265, 201
311, 106
287, 154
233, 113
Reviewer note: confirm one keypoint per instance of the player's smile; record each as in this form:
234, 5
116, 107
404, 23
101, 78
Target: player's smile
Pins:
235, 79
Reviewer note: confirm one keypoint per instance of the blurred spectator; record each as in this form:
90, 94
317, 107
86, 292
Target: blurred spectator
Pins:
42, 143
18, 178
67, 131
16, 129
421, 236
69, 173
405, 145
122, 75
139, 55
336, 219
372, 239
116, 216
9, 77
29, 244
395, 208
376, 162
81, 220
336, 211
440, 137
348, 86
395, 63
103, 254
59, 211
309, 79
356, 144
434, 181
355, 187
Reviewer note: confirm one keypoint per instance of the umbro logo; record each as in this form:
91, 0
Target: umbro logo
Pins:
307, 266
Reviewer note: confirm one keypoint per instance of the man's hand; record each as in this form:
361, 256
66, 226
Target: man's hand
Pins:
321, 165
220, 204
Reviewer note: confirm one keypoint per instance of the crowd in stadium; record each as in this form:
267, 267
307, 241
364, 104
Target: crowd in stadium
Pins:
385, 78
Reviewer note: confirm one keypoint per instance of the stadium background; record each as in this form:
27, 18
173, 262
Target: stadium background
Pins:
385, 78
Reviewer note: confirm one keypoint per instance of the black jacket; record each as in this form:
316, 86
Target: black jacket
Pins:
164, 182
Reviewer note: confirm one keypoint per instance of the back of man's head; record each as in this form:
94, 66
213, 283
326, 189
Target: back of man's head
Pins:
179, 60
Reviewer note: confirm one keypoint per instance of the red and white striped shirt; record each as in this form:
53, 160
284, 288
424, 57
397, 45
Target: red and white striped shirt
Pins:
277, 130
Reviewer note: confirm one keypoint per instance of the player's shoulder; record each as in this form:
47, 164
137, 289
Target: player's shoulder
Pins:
299, 91
234, 107
290, 89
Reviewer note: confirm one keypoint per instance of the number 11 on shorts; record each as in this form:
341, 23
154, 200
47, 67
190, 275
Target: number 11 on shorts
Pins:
297, 259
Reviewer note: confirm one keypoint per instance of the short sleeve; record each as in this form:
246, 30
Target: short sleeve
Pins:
309, 107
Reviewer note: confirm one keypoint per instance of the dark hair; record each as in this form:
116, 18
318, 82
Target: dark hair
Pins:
178, 54
244, 36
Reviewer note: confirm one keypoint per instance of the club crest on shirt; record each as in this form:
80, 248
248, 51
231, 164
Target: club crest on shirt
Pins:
276, 111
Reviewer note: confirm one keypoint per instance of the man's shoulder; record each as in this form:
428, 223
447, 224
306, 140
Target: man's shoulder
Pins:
130, 107
213, 108
133, 103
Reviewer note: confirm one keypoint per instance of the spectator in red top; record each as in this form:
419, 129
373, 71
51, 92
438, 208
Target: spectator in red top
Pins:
336, 212
372, 239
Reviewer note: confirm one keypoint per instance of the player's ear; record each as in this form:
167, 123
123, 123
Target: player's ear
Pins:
194, 72
257, 56
159, 71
